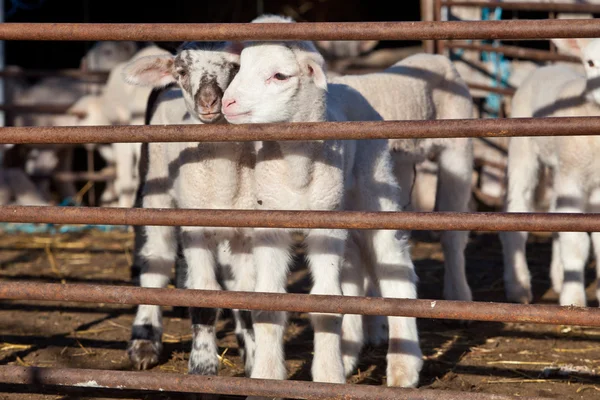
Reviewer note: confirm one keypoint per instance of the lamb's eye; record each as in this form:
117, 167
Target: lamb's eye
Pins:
280, 76
591, 63
182, 73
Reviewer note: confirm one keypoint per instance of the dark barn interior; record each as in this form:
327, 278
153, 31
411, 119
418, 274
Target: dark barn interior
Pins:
48, 55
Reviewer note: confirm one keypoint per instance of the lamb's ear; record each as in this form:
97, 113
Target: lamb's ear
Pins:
315, 68
153, 71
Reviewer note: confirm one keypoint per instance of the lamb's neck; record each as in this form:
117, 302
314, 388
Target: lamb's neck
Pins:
310, 105
300, 155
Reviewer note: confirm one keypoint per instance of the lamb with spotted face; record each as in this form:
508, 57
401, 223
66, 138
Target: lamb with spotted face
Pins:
201, 69
207, 175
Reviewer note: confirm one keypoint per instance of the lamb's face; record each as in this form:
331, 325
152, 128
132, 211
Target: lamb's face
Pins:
202, 70
203, 76
591, 62
266, 88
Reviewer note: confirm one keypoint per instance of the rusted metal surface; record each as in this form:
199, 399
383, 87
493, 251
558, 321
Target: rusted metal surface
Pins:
529, 6
293, 302
125, 380
515, 51
480, 221
500, 127
487, 88
418, 30
88, 76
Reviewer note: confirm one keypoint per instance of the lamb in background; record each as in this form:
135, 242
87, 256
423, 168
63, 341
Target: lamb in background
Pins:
61, 90
124, 104
555, 91
286, 82
192, 175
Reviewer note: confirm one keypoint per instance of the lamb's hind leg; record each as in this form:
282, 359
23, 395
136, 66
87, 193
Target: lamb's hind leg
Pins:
155, 258
453, 194
352, 285
522, 177
198, 249
244, 273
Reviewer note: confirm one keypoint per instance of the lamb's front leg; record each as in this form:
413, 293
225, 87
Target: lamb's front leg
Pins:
272, 255
453, 194
198, 249
155, 258
574, 246
324, 252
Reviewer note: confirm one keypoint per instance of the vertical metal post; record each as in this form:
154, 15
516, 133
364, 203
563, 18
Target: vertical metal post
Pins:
427, 14
2, 66
91, 169
437, 9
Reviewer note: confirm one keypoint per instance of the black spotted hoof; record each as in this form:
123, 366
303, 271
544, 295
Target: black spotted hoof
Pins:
143, 354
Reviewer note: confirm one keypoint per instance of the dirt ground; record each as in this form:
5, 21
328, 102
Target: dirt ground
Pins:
516, 359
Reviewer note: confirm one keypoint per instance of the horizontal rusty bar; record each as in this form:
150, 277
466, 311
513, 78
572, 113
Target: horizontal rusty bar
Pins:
492, 89
180, 383
417, 30
528, 6
450, 128
478, 221
514, 51
94, 76
295, 302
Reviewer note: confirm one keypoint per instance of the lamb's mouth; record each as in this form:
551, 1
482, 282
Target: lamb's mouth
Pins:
234, 116
210, 117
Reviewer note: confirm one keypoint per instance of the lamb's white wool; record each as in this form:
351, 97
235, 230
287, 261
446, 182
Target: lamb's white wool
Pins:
555, 91
286, 82
192, 175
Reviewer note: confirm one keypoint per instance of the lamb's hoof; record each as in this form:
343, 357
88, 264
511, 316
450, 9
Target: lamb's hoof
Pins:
573, 297
143, 354
403, 371
519, 294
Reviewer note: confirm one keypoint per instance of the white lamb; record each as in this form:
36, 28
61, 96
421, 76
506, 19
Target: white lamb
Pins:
124, 104
286, 82
427, 87
213, 175
555, 91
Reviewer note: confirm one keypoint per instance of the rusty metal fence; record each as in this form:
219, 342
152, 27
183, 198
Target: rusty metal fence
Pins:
420, 308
